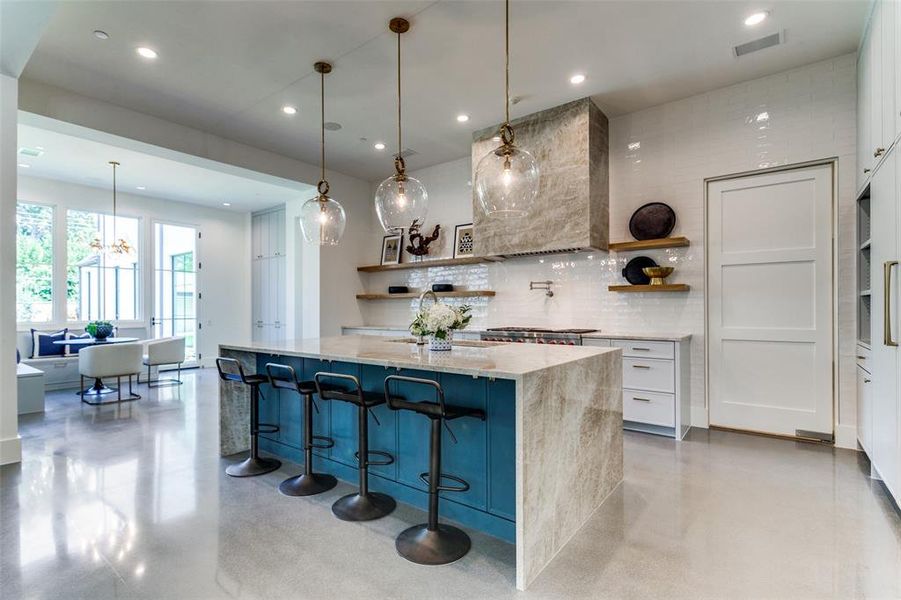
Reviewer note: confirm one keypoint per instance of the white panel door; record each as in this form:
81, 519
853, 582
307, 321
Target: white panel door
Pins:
770, 338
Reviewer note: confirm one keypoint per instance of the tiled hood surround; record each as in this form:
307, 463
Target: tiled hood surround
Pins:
572, 211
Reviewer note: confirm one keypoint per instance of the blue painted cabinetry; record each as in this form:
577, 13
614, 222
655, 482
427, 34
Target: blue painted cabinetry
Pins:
484, 454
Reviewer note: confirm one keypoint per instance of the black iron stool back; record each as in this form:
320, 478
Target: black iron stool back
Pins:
308, 483
230, 370
432, 543
364, 505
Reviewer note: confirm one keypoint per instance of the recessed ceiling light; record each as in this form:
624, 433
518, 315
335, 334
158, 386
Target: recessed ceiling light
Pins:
141, 187
24, 166
289, 110
756, 19
379, 146
764, 116
462, 118
100, 34
146, 52
577, 79
634, 145
226, 204
332, 126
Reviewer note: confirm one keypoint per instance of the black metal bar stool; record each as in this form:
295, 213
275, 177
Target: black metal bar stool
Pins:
364, 505
231, 370
307, 483
433, 543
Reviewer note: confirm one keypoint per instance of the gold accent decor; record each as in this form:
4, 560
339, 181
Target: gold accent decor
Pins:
658, 275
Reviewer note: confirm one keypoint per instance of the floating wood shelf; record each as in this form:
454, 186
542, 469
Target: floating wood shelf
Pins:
454, 294
669, 287
438, 262
670, 242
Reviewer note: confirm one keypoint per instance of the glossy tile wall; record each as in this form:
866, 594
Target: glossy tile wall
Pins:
663, 153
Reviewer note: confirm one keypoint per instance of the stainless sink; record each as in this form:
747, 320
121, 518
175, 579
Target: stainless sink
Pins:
461, 343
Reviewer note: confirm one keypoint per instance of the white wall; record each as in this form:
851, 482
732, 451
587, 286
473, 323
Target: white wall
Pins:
10, 445
811, 114
224, 250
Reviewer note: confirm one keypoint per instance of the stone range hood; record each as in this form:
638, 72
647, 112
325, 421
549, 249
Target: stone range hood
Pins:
572, 210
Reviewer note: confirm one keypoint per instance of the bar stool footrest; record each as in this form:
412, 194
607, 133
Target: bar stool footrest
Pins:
389, 459
463, 487
324, 443
266, 428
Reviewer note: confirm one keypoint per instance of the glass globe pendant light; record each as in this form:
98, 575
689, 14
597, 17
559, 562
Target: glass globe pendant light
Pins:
400, 199
506, 179
322, 219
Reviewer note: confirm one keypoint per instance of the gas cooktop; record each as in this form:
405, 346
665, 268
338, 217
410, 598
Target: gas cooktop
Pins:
535, 335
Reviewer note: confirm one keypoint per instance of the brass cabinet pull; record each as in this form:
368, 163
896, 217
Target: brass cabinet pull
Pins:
879, 152
641, 399
640, 367
642, 349
887, 302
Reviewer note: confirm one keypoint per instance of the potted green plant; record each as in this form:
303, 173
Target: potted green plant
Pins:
438, 322
99, 330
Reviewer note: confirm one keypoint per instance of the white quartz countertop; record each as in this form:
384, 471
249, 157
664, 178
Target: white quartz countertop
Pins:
505, 361
602, 335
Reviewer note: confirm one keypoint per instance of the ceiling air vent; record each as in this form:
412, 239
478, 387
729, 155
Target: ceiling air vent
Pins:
33, 152
773, 39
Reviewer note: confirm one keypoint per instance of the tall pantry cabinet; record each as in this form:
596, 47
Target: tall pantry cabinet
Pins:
267, 233
879, 244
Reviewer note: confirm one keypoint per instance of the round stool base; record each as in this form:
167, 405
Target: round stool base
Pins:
307, 485
253, 467
446, 545
355, 507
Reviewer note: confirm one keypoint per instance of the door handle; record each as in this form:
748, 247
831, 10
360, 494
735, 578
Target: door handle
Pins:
887, 303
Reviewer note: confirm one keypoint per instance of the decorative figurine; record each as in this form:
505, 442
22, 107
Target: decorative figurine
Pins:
419, 244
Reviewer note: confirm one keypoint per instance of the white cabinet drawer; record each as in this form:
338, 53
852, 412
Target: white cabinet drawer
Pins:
649, 374
649, 407
597, 342
643, 349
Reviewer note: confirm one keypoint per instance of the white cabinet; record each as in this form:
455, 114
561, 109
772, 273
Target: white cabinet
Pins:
656, 391
878, 89
268, 277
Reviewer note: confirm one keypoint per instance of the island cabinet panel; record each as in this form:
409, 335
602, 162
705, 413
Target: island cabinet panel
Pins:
502, 448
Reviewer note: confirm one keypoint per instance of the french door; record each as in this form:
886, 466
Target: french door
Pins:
770, 302
175, 285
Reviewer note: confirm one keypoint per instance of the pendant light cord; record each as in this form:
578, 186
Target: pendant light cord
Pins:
400, 161
507, 62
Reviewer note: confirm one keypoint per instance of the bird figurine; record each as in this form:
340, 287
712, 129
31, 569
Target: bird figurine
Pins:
419, 244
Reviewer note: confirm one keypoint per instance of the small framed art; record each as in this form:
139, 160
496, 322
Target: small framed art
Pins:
392, 246
463, 240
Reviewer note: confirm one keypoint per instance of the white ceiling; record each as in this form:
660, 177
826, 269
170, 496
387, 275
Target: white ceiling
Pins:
86, 162
228, 67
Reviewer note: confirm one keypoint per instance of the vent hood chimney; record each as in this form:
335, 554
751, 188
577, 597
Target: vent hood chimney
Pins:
572, 210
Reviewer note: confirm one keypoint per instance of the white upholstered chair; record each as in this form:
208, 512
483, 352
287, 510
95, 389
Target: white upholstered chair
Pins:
164, 351
110, 360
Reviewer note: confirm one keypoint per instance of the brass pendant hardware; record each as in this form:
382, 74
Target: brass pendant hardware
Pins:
322, 187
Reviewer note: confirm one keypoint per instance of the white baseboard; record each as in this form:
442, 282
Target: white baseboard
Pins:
10, 451
846, 437
699, 417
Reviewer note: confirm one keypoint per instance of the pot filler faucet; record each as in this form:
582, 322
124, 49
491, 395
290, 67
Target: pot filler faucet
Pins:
427, 292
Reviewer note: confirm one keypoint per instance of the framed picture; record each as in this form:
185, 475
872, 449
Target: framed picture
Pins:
463, 240
392, 246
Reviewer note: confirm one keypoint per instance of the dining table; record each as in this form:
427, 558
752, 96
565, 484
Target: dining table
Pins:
98, 388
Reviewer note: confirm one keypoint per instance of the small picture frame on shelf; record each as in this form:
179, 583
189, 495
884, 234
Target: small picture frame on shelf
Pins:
392, 246
463, 240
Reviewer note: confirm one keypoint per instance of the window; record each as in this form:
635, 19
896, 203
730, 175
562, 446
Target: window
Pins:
34, 263
98, 287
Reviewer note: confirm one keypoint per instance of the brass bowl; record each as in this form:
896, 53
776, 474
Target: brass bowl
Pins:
657, 274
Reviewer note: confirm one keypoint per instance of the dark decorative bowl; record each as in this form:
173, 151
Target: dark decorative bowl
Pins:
103, 331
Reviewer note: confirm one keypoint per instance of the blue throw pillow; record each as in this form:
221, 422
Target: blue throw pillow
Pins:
73, 350
42, 343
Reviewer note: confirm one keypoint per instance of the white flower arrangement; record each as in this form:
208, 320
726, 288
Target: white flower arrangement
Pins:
439, 319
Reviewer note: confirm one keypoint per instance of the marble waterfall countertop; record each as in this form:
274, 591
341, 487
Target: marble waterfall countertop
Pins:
597, 335
493, 359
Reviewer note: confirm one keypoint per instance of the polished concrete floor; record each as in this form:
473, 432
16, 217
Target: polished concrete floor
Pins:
131, 501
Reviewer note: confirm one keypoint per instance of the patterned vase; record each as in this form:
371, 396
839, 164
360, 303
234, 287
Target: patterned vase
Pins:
436, 345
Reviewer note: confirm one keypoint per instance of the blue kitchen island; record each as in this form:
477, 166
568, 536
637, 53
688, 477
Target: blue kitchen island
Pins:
548, 453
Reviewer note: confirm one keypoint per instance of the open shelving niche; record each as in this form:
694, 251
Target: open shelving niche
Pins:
426, 264
655, 244
863, 268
